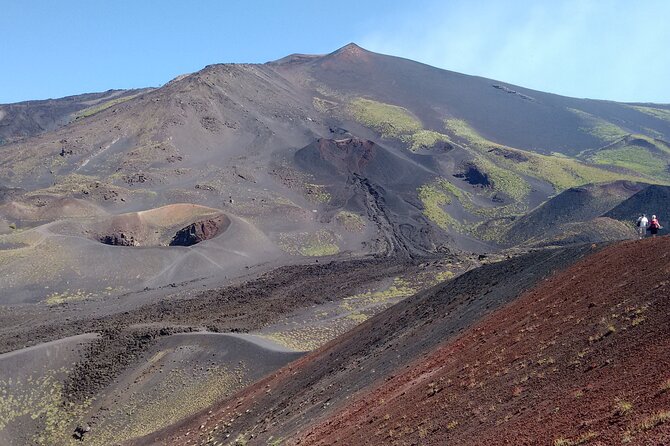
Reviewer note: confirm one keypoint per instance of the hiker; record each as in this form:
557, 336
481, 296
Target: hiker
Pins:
642, 224
654, 226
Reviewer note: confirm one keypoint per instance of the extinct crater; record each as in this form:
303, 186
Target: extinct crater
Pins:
173, 225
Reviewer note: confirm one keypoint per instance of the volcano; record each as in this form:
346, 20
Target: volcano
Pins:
347, 248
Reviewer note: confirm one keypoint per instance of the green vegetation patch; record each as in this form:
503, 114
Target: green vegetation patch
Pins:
638, 153
659, 113
463, 130
434, 198
103, 106
310, 337
326, 325
504, 165
40, 398
635, 158
389, 120
316, 244
397, 122
494, 230
466, 200
67, 296
443, 276
425, 139
179, 394
399, 289
503, 179
601, 129
564, 173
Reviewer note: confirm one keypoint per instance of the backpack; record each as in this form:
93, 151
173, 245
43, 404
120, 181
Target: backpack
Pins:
638, 222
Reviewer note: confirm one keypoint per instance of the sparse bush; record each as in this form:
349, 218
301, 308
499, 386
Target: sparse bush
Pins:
622, 407
637, 321
240, 441
611, 329
654, 420
582, 439
647, 424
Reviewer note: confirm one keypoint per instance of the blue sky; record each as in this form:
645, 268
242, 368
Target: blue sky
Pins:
605, 49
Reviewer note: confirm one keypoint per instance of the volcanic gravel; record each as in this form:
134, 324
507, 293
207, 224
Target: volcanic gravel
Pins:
582, 358
314, 386
236, 308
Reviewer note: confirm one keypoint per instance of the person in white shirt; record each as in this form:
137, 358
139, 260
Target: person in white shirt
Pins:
642, 224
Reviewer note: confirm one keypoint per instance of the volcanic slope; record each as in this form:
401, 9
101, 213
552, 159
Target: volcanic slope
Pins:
579, 358
381, 347
574, 206
510, 110
638, 153
652, 200
142, 362
228, 135
30, 118
92, 258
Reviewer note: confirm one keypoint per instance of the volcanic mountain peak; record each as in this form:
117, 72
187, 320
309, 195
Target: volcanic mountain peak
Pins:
350, 53
347, 53
351, 48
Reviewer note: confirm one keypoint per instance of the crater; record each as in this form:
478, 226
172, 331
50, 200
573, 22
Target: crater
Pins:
200, 231
173, 225
474, 176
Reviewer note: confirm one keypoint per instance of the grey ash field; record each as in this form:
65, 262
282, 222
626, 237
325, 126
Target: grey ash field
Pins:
285, 202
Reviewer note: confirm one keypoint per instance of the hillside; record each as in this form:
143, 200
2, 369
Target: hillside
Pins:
579, 205
30, 118
555, 365
383, 346
330, 155
652, 200
511, 110
258, 252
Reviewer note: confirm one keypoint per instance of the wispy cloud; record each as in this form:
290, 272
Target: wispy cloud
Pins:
600, 49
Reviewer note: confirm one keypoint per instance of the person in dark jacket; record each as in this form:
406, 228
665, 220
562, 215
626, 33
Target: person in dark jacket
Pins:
654, 226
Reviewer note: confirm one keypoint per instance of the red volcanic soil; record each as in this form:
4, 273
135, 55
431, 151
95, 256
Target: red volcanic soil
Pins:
583, 358
351, 154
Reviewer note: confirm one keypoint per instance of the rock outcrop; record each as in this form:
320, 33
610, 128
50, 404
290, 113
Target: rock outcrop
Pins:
200, 231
